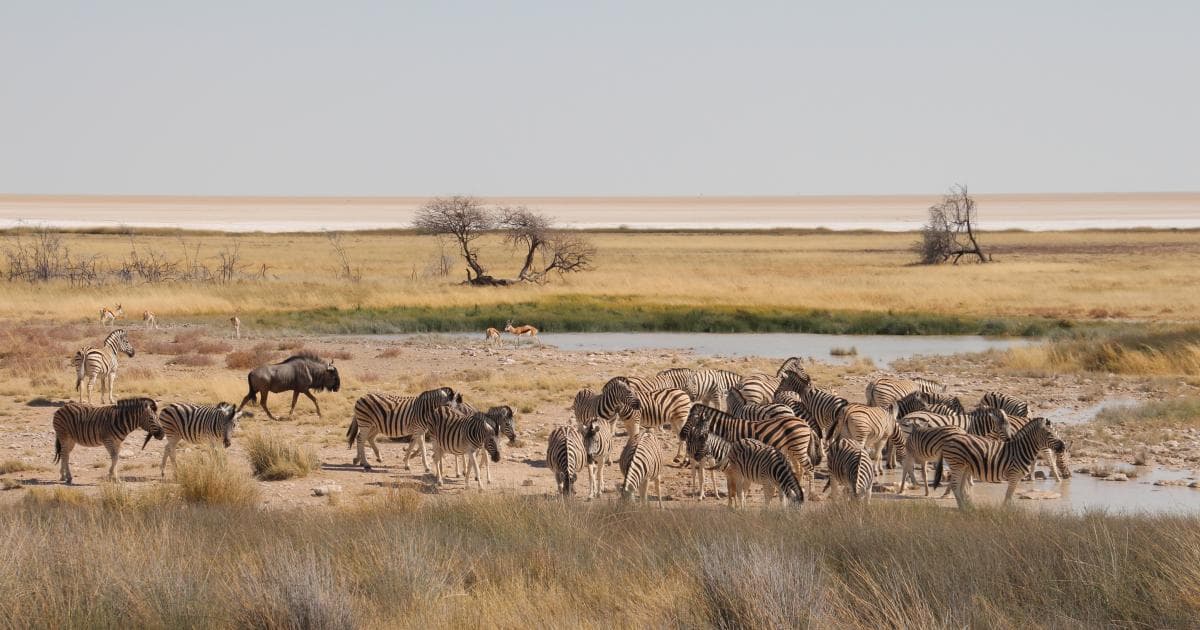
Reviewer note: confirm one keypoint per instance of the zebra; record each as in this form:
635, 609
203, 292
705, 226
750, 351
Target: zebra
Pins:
706, 451
751, 461
738, 407
850, 465
758, 388
792, 364
656, 408
1055, 461
992, 423
995, 461
887, 391
707, 386
565, 457
149, 320
792, 436
597, 444
108, 316
1009, 404
641, 461
615, 399
463, 434
870, 427
503, 423
107, 426
101, 362
194, 423
671, 378
378, 414
922, 444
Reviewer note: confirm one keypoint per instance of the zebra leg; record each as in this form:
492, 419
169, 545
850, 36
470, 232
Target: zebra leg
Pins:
679, 449
91, 382
658, 490
1012, 488
112, 382
473, 462
362, 451
314, 399
114, 451
65, 467
437, 459
168, 450
1049, 455
591, 480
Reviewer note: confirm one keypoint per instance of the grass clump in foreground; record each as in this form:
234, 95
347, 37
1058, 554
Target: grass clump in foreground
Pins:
207, 477
273, 458
1127, 350
529, 562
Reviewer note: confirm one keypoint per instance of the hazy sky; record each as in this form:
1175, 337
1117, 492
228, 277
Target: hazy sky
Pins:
606, 98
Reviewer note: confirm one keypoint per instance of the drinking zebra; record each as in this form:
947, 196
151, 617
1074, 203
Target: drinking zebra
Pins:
971, 457
752, 461
194, 423
597, 443
565, 457
378, 414
107, 426
850, 466
1056, 461
466, 435
641, 461
93, 363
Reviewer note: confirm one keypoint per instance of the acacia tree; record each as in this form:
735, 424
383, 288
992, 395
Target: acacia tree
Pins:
950, 232
463, 218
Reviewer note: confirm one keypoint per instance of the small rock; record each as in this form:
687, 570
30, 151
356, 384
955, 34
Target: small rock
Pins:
1083, 470
1172, 482
886, 488
527, 482
1194, 484
1039, 475
1038, 495
1116, 477
326, 490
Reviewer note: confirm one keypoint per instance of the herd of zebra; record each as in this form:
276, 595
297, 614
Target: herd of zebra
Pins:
773, 431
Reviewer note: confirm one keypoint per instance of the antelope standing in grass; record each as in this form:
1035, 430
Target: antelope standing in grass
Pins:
521, 331
108, 316
236, 322
149, 320
492, 336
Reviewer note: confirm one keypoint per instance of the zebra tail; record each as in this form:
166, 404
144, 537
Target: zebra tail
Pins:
352, 433
937, 474
57, 449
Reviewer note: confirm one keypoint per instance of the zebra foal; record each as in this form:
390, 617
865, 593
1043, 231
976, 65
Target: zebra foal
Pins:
77, 424
194, 423
707, 452
850, 466
641, 461
92, 363
751, 461
467, 434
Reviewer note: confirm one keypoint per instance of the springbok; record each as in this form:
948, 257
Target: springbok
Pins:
492, 335
521, 331
237, 326
150, 320
107, 315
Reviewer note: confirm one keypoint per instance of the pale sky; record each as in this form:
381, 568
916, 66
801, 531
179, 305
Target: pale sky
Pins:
603, 98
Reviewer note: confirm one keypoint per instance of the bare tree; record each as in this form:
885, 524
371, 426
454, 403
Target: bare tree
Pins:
42, 256
950, 232
565, 253
229, 262
528, 229
345, 267
463, 218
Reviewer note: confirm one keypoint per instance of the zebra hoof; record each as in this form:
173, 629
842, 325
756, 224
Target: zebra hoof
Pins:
367, 467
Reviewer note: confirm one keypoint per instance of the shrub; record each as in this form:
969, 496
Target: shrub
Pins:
207, 477
274, 458
15, 465
260, 354
192, 360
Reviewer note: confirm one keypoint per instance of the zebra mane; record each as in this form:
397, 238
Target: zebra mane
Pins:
120, 332
133, 403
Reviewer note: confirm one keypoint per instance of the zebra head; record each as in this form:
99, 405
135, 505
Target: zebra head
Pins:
505, 424
143, 411
230, 414
591, 442
118, 341
794, 381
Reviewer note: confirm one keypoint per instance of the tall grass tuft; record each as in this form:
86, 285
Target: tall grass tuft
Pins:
1129, 350
207, 477
273, 458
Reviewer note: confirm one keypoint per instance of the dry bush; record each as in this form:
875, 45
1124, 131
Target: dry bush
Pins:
290, 344
34, 350
193, 360
274, 458
390, 353
57, 495
9, 466
341, 354
209, 346
261, 354
207, 477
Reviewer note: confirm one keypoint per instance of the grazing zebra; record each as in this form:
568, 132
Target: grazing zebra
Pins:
597, 444
149, 320
641, 461
870, 427
751, 461
521, 331
1055, 461
236, 322
1011, 405
460, 434
995, 461
659, 407
378, 414
922, 444
614, 400
792, 436
101, 362
194, 423
671, 378
492, 336
565, 457
707, 451
708, 386
107, 426
108, 316
887, 391
850, 466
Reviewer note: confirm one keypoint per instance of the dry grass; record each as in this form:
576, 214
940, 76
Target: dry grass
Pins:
261, 354
10, 466
274, 458
207, 477
1148, 352
1078, 275
521, 562
193, 360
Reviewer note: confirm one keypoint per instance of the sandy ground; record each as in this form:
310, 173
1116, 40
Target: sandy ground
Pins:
894, 212
441, 361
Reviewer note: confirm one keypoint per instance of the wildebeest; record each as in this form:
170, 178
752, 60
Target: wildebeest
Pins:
298, 374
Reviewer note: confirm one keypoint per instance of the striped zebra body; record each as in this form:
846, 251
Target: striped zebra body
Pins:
641, 462
971, 457
377, 414
597, 444
758, 388
467, 434
850, 466
195, 423
673, 378
740, 408
887, 391
752, 461
922, 444
707, 452
92, 363
818, 405
659, 407
615, 400
792, 436
565, 456
792, 364
925, 401
1009, 404
870, 427
709, 386
77, 424
1055, 461
991, 423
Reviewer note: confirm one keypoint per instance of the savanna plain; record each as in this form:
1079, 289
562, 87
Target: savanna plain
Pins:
239, 537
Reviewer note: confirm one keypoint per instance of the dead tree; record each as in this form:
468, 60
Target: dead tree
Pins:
345, 269
463, 218
525, 228
950, 232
